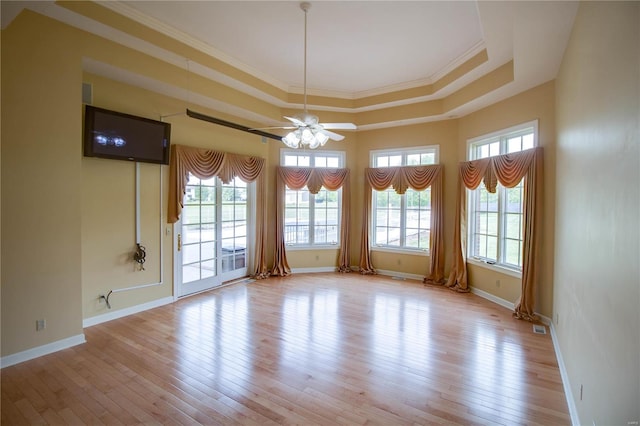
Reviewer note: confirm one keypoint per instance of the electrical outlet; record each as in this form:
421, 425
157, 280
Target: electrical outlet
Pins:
557, 318
498, 283
41, 324
580, 392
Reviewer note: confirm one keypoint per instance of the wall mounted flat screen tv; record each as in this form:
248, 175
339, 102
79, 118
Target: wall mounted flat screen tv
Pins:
119, 136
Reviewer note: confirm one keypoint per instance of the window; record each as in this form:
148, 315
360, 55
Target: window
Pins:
312, 219
496, 220
402, 221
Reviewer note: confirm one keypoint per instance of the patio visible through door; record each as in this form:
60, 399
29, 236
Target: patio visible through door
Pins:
211, 236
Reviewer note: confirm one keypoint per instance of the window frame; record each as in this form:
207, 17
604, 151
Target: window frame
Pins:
404, 153
342, 156
502, 137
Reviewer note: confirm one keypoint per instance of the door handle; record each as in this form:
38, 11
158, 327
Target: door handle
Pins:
179, 242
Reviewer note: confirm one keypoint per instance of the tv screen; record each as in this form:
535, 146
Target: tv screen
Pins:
115, 135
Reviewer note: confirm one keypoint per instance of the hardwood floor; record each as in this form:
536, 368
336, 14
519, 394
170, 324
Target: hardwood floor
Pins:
305, 349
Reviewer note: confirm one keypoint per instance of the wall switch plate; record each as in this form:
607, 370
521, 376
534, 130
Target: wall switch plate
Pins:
41, 324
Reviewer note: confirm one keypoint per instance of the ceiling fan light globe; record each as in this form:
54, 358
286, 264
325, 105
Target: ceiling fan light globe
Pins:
321, 138
315, 143
291, 140
307, 136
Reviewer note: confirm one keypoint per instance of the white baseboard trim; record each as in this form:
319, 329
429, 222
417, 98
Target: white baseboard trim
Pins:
313, 270
566, 384
99, 319
397, 274
495, 299
39, 351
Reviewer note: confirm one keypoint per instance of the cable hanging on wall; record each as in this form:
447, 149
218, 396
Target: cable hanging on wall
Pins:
140, 255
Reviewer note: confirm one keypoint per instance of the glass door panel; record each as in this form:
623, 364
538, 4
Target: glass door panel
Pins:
211, 234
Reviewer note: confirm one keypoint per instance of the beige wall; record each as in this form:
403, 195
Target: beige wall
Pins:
41, 187
597, 278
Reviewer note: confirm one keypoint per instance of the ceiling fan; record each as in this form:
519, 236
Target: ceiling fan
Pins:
307, 130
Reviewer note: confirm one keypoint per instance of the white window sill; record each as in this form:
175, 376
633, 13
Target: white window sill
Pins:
400, 250
497, 268
306, 247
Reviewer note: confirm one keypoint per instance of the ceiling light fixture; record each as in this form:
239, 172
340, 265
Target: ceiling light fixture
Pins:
308, 133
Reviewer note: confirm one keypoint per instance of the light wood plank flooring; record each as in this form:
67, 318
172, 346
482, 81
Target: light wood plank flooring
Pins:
306, 349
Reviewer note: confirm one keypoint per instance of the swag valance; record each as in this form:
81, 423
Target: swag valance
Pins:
508, 170
205, 164
314, 179
400, 179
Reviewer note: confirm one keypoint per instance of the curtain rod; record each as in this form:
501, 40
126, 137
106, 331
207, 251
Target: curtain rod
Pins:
225, 123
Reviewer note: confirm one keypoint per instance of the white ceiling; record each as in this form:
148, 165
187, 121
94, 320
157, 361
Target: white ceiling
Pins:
352, 46
355, 48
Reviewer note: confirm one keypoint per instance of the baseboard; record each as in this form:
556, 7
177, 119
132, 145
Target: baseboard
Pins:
396, 274
313, 270
566, 384
495, 299
99, 319
39, 351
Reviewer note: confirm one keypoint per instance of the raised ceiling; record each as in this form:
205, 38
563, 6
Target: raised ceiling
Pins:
383, 63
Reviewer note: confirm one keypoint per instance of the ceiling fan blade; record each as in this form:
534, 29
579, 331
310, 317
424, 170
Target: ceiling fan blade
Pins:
333, 136
276, 127
296, 121
339, 126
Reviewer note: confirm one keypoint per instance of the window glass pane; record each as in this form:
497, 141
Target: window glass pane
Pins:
394, 199
492, 224
413, 198
333, 162
382, 199
208, 251
395, 160
527, 141
290, 160
512, 227
514, 199
514, 144
382, 161
429, 158
208, 212
413, 159
190, 253
393, 237
381, 235
320, 161
512, 252
394, 217
190, 214
492, 248
304, 161
494, 149
208, 269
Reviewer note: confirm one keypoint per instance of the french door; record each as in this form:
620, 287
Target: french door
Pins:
211, 236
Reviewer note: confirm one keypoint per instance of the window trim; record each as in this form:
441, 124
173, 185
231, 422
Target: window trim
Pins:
497, 136
404, 152
342, 158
